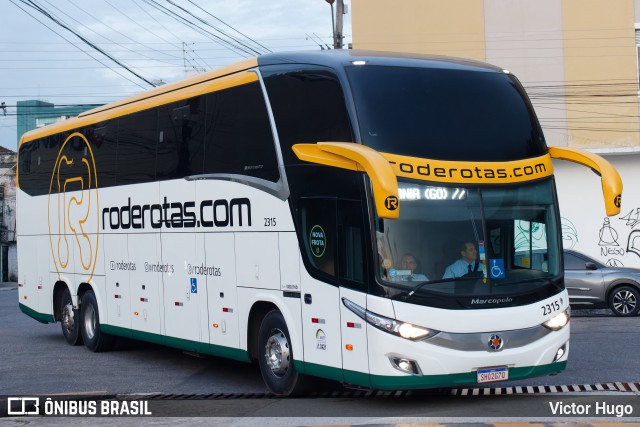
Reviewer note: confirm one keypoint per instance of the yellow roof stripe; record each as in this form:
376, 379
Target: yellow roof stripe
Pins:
222, 78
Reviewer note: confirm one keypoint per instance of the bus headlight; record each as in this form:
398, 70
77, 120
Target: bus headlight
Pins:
392, 326
558, 321
413, 332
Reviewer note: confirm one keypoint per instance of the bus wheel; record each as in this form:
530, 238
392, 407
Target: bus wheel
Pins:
70, 320
624, 301
276, 357
94, 339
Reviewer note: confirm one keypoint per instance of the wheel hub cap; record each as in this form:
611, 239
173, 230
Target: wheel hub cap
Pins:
68, 318
90, 321
277, 353
624, 302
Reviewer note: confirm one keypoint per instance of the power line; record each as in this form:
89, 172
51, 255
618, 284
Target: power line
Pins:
141, 26
196, 28
234, 29
35, 6
96, 33
255, 52
160, 23
69, 41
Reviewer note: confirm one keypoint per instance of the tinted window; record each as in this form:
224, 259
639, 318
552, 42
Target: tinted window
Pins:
239, 138
317, 220
181, 132
27, 154
314, 191
350, 236
137, 140
38, 157
103, 138
445, 114
170, 153
308, 107
36, 163
572, 262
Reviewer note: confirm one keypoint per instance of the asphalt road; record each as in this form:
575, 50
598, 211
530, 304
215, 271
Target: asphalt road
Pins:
35, 359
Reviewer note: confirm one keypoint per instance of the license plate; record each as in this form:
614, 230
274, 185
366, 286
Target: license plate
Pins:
489, 375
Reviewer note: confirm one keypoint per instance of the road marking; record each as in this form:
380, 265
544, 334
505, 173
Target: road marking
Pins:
388, 394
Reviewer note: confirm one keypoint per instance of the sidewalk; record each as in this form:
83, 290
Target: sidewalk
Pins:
7, 286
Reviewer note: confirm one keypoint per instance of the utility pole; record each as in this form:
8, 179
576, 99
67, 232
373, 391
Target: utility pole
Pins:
337, 23
337, 42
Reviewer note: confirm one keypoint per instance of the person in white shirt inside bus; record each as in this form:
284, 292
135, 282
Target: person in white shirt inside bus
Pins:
467, 264
409, 263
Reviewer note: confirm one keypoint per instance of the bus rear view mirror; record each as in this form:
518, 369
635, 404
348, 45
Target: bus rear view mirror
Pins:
611, 181
356, 157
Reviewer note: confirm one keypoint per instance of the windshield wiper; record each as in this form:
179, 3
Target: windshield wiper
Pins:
421, 284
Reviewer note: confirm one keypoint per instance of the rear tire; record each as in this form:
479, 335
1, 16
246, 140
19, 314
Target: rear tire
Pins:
70, 320
625, 301
275, 356
93, 337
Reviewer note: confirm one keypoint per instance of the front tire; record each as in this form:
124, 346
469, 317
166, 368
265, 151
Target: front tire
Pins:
625, 301
276, 357
70, 320
93, 337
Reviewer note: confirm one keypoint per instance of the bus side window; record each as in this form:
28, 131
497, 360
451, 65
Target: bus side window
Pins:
317, 221
25, 159
351, 257
137, 140
180, 137
239, 138
103, 138
28, 153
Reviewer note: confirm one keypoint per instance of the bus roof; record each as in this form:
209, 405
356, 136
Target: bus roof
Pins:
107, 111
337, 59
341, 58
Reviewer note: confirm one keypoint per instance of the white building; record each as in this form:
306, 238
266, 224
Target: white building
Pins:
8, 260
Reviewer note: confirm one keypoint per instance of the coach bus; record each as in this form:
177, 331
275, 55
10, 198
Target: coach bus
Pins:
305, 211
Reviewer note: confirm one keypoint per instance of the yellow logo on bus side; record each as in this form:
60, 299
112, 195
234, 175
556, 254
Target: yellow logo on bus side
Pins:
74, 218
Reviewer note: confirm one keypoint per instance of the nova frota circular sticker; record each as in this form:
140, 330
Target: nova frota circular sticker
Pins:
317, 241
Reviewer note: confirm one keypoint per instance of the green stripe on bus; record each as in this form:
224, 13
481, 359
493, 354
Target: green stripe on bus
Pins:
182, 344
40, 317
388, 382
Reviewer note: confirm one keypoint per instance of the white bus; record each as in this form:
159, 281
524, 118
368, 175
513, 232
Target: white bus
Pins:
306, 210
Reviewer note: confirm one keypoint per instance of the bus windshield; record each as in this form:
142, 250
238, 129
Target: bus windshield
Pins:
445, 114
444, 232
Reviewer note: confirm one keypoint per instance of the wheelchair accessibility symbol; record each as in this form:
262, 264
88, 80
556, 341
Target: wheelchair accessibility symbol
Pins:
497, 268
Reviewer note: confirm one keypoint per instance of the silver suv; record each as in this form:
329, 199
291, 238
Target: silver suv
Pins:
595, 285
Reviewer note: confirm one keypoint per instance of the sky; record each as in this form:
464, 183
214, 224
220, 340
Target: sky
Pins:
40, 59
